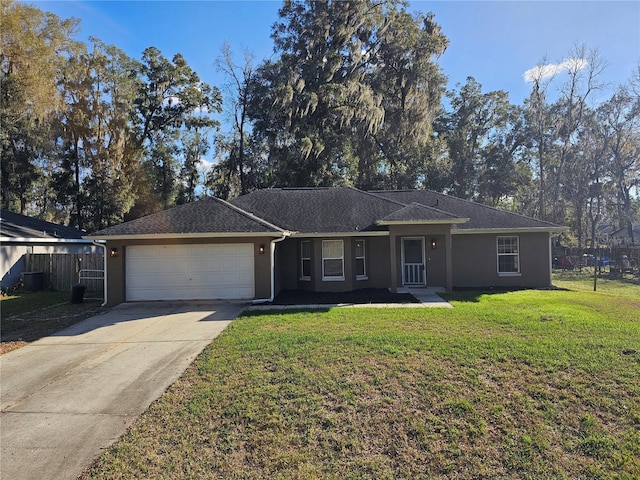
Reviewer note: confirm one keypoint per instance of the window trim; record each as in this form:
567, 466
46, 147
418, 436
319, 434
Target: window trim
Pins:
517, 273
304, 277
363, 258
333, 278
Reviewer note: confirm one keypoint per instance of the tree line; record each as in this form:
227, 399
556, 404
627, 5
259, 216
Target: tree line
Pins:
353, 95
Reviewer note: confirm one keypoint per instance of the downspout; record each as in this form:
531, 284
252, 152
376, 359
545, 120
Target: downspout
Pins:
272, 254
103, 244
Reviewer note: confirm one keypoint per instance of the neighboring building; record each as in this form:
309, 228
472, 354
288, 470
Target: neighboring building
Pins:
622, 237
323, 239
21, 235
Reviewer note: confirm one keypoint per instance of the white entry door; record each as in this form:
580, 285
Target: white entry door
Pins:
189, 272
413, 267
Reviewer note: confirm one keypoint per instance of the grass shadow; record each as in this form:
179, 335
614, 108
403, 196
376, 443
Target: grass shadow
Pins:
274, 311
473, 295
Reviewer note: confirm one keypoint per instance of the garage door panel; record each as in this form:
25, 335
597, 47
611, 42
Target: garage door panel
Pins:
174, 272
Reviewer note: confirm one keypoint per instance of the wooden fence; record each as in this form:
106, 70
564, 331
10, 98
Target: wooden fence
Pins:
61, 269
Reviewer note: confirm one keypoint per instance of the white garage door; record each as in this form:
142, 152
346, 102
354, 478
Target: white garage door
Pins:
189, 272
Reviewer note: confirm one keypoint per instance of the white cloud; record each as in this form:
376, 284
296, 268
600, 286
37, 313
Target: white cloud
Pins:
205, 165
540, 72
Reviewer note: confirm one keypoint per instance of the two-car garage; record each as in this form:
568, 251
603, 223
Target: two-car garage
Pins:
189, 272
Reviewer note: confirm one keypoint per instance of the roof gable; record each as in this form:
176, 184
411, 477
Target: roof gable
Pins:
209, 215
15, 225
417, 213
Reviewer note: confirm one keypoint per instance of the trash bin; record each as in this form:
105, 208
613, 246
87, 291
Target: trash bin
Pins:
77, 293
33, 281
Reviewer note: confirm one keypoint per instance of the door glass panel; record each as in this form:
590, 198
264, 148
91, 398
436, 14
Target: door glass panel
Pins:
413, 251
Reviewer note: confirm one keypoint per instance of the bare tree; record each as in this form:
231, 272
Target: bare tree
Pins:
237, 91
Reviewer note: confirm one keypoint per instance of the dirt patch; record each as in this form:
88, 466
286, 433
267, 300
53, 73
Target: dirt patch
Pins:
361, 297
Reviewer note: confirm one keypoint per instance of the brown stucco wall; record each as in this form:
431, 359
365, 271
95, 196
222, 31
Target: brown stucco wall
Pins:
475, 261
116, 288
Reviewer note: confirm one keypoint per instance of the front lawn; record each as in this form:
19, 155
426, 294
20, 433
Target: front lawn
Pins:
528, 384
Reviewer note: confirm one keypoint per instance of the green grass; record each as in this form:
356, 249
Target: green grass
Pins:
528, 384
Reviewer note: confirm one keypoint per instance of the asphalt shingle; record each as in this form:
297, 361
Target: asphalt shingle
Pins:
15, 225
480, 216
416, 212
318, 210
322, 211
209, 215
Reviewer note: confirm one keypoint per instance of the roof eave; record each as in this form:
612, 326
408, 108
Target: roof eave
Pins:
359, 233
475, 231
423, 222
43, 240
158, 236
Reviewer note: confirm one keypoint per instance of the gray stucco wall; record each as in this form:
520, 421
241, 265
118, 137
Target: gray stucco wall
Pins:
376, 265
435, 259
475, 261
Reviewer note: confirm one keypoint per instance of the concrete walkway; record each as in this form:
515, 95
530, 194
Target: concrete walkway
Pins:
428, 298
65, 398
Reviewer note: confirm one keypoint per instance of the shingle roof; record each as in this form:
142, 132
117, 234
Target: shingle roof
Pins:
209, 215
322, 211
418, 213
480, 216
318, 210
15, 225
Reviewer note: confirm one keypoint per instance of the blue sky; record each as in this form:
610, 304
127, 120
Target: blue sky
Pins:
493, 41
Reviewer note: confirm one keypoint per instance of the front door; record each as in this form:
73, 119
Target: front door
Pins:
413, 271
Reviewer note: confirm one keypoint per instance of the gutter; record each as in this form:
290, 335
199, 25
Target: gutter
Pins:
44, 240
272, 254
103, 245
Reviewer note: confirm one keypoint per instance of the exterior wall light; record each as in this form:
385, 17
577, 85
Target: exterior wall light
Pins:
261, 249
113, 252
434, 244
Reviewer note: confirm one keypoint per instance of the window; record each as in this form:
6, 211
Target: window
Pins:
508, 256
332, 260
361, 269
305, 260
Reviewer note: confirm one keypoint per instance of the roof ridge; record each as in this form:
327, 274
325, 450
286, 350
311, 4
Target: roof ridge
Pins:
439, 210
381, 198
249, 215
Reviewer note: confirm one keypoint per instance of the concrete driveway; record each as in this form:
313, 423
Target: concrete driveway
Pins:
65, 398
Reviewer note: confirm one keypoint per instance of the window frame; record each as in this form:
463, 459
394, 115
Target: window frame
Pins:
333, 278
363, 257
501, 254
303, 259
